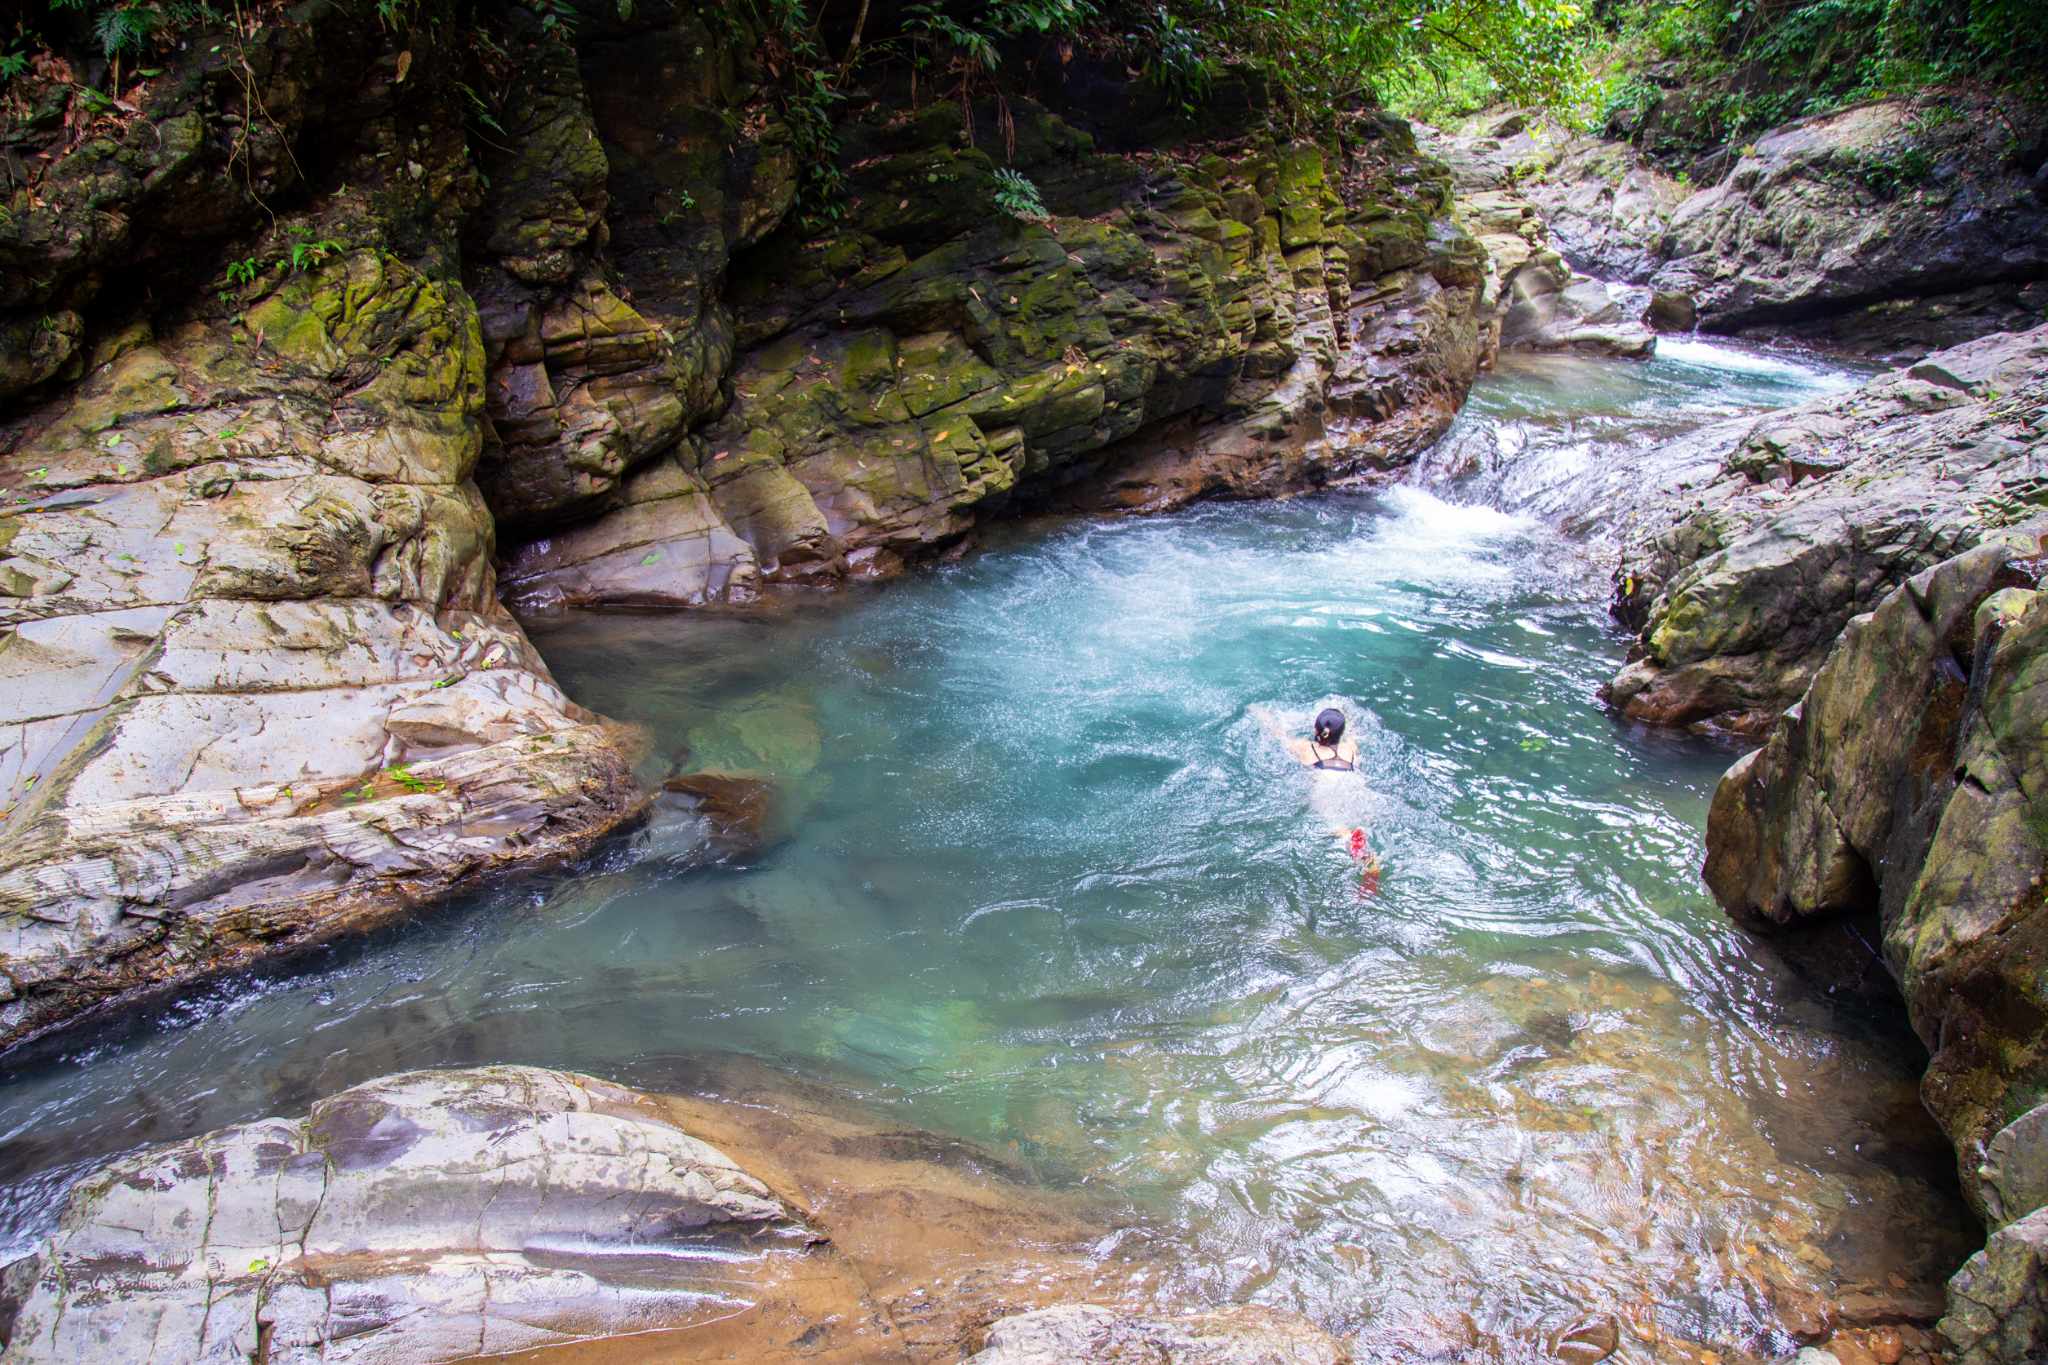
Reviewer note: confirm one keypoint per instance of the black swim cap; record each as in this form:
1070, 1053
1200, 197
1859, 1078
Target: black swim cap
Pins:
1329, 726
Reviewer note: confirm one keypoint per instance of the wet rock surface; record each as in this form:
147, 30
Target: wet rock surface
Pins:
1815, 514
1886, 228
439, 1215
1544, 303
1906, 780
1230, 1336
426, 1216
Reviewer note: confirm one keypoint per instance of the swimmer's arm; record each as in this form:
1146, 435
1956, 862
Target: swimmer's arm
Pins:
1270, 723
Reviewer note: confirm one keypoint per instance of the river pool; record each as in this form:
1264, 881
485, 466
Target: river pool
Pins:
1044, 882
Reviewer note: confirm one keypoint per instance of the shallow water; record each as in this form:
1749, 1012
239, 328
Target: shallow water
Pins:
1050, 886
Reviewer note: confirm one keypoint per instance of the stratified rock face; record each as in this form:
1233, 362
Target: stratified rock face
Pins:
1601, 205
259, 676
422, 1217
626, 182
1543, 303
1913, 779
1252, 324
1817, 513
1229, 1336
1909, 780
259, 685
1888, 228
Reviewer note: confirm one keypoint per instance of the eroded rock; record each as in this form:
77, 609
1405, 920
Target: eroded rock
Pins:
1908, 781
1890, 228
261, 686
437, 1215
425, 1216
1816, 514
1998, 1301
1251, 325
1543, 302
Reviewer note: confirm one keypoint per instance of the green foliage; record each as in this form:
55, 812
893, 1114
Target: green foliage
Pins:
1753, 64
1017, 196
1176, 59
1321, 59
243, 271
810, 97
125, 29
413, 782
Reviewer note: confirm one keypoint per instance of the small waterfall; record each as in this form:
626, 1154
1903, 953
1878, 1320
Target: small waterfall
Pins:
1583, 441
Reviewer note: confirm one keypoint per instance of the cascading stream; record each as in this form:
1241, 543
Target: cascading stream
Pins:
1050, 887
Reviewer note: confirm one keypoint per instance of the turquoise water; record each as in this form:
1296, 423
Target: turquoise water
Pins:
1043, 880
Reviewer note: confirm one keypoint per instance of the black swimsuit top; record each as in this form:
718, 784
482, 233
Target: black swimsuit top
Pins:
1333, 764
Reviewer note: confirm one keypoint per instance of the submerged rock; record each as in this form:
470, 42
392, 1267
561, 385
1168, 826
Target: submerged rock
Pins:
741, 808
1816, 513
1228, 1336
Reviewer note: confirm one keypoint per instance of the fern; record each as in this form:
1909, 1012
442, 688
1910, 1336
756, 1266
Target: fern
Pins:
1018, 197
124, 29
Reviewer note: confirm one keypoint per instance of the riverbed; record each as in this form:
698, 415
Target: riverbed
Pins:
1040, 877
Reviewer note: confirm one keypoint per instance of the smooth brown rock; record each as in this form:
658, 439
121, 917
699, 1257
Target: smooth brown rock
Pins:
1228, 1336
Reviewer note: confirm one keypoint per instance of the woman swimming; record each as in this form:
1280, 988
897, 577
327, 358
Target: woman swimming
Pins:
1328, 751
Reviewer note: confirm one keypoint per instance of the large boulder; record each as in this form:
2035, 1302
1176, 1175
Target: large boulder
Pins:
262, 686
261, 689
443, 1215
1909, 781
1817, 512
422, 1217
1890, 228
1541, 300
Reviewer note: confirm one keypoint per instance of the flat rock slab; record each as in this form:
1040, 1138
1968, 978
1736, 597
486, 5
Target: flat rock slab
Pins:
424, 1216
528, 1214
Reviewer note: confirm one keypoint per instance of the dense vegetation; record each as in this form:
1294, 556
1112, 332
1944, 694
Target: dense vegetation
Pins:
1749, 65
1738, 66
1316, 58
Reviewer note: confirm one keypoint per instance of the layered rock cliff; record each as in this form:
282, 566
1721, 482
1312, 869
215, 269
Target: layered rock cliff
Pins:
1908, 781
1249, 318
1886, 229
327, 331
